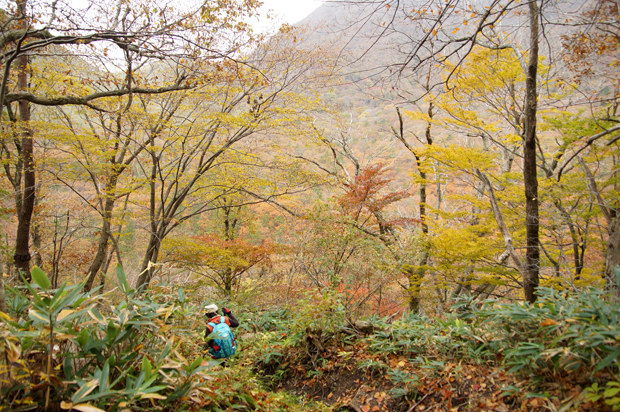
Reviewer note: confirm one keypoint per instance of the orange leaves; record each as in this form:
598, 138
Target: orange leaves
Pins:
367, 191
242, 253
548, 322
380, 396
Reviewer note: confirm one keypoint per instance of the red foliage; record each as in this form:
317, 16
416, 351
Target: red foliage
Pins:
370, 191
366, 190
387, 304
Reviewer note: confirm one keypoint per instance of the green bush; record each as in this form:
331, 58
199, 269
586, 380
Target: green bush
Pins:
81, 351
559, 333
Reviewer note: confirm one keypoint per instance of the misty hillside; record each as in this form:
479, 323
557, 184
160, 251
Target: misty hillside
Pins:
394, 206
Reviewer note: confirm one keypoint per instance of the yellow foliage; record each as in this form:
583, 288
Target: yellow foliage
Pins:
461, 158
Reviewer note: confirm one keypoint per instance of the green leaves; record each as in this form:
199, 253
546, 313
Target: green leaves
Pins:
85, 389
609, 359
40, 278
122, 279
118, 348
38, 316
559, 334
195, 364
181, 295
609, 393
147, 367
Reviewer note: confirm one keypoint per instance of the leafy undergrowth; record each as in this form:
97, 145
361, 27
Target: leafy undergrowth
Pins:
350, 377
63, 349
560, 354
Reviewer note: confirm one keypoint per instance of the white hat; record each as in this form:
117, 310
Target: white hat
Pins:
212, 308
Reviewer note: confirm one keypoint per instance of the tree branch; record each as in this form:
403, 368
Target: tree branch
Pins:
85, 101
499, 218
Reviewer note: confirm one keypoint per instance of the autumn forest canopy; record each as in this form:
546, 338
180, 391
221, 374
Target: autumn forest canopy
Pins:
409, 205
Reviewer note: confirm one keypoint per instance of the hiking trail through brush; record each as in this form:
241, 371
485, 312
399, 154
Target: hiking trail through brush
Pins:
349, 377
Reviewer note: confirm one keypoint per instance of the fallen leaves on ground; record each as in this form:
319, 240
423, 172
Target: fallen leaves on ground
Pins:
337, 379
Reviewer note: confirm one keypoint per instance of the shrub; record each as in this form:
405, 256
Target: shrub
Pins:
559, 333
81, 351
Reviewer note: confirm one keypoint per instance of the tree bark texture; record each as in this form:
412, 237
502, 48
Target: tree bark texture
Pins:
530, 178
35, 235
415, 284
150, 258
499, 219
415, 278
2, 293
22, 251
612, 258
106, 230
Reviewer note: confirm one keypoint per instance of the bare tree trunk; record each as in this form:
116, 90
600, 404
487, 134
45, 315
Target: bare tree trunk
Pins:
463, 286
530, 178
577, 237
117, 252
415, 278
499, 219
612, 217
152, 250
99, 259
2, 293
150, 258
36, 237
104, 236
415, 281
612, 257
483, 292
22, 251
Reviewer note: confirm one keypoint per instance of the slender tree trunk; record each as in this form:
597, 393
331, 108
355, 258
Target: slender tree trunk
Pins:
100, 256
415, 278
499, 219
530, 178
612, 258
612, 217
104, 236
36, 235
230, 220
577, 238
228, 282
116, 251
22, 251
415, 283
2, 293
152, 250
150, 258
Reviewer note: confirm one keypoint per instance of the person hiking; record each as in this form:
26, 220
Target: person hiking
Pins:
222, 344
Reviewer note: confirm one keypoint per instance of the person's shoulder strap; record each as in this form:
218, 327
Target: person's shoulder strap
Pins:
226, 320
216, 320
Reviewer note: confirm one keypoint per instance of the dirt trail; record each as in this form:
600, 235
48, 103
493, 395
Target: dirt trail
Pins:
350, 378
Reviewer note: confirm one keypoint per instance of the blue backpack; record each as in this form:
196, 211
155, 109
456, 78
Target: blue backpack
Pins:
224, 344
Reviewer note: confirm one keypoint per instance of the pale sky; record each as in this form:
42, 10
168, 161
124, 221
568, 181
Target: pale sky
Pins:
291, 11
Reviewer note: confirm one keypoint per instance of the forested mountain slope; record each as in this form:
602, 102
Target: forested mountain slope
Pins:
407, 206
